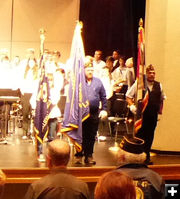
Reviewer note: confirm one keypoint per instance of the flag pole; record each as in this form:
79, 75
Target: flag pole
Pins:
141, 84
43, 105
77, 104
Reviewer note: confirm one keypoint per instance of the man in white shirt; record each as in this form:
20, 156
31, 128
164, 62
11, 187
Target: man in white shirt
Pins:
98, 64
153, 108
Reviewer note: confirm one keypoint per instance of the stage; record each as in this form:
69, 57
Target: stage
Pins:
19, 162
20, 154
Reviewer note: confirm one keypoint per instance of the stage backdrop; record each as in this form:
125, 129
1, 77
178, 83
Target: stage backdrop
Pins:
20, 21
162, 50
111, 25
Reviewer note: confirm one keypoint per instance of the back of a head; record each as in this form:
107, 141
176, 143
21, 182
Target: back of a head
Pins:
59, 152
109, 58
129, 62
115, 185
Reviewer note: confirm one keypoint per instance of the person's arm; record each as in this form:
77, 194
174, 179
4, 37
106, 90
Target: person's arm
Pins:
130, 95
163, 97
130, 101
103, 99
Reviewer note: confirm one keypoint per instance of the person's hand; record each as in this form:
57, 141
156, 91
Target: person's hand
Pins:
33, 112
103, 115
133, 108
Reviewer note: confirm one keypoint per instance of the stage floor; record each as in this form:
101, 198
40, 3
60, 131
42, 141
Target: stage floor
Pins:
19, 153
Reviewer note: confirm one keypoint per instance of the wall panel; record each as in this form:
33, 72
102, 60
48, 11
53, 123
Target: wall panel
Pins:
5, 23
57, 17
162, 50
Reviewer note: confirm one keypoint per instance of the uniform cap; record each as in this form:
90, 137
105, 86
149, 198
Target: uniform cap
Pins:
132, 144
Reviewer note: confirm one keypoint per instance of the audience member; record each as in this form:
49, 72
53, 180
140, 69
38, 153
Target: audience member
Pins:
59, 183
131, 158
115, 185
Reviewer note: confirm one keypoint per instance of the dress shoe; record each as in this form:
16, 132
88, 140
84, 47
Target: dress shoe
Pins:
24, 137
78, 160
148, 162
41, 158
89, 160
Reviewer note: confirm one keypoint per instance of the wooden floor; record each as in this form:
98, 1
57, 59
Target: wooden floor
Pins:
18, 158
19, 153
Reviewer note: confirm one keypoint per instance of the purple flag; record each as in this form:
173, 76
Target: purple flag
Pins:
77, 104
43, 109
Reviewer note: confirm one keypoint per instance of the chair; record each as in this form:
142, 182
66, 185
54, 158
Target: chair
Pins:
119, 111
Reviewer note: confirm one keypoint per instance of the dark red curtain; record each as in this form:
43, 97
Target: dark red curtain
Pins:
110, 25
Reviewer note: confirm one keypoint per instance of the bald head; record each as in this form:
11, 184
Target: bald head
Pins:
59, 152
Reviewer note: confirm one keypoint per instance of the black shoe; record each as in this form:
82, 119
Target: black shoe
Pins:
148, 162
78, 160
89, 160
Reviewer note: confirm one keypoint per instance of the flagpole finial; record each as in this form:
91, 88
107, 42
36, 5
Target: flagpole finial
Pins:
42, 32
141, 22
80, 25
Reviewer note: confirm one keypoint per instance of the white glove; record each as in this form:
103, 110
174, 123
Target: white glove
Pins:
133, 108
103, 115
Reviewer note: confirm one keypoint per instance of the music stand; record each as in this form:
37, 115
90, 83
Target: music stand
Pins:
7, 97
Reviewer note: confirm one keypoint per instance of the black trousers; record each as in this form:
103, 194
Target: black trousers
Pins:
146, 132
89, 131
4, 117
26, 109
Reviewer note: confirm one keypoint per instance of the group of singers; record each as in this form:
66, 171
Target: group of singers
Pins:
24, 75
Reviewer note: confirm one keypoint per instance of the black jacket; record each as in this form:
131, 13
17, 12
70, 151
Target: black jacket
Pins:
150, 182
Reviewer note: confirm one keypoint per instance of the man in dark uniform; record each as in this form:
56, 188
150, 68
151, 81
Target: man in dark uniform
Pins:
131, 156
153, 108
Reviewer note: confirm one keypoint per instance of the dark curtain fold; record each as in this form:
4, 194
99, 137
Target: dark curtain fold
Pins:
110, 25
